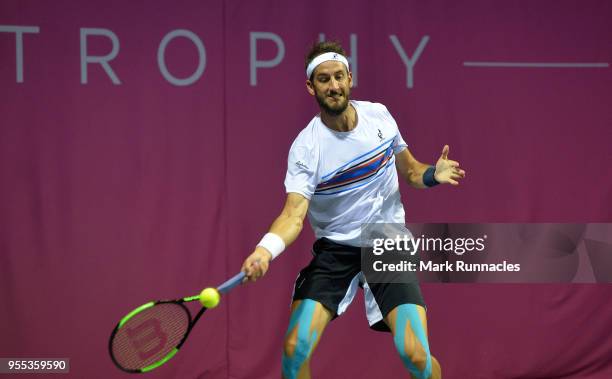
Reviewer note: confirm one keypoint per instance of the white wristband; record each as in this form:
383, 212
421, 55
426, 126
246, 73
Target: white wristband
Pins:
273, 243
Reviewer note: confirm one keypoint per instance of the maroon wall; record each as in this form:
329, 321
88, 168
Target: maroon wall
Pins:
116, 193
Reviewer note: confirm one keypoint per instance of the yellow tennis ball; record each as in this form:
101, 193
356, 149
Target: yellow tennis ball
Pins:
209, 297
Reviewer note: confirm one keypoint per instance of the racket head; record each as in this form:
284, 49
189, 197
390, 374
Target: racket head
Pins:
150, 335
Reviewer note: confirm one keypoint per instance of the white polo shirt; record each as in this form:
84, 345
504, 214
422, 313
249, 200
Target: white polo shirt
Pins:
349, 177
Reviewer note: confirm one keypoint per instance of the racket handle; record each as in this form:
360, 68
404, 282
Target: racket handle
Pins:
231, 283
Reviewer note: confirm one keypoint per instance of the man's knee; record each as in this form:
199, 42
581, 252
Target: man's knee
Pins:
418, 362
300, 339
411, 342
296, 347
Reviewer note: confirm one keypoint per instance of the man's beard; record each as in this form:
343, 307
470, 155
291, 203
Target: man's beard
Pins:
337, 108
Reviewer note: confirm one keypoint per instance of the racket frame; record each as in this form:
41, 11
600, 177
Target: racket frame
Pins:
191, 323
223, 288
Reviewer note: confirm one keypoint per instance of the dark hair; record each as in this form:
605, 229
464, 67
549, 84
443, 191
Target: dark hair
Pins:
323, 47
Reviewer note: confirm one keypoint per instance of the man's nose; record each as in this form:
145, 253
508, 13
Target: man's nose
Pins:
334, 84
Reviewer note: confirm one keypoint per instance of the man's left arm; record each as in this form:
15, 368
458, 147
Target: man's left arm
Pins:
421, 175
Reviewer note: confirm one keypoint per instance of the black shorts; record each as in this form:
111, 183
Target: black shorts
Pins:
333, 276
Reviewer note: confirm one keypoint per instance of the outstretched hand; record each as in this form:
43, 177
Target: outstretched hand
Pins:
448, 171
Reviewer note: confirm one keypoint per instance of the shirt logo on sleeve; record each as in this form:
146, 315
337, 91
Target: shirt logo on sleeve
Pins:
380, 136
301, 165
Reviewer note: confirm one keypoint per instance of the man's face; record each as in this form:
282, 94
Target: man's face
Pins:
331, 85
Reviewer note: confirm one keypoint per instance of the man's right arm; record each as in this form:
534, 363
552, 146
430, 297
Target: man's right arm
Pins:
287, 226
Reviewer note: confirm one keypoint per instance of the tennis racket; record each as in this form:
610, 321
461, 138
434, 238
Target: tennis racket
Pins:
153, 333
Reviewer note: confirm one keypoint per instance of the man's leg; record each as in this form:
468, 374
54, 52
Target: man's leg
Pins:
408, 323
308, 320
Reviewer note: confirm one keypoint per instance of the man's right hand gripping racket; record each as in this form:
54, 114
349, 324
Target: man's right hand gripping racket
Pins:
151, 334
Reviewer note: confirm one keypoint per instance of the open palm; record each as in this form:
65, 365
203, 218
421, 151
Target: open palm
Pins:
448, 171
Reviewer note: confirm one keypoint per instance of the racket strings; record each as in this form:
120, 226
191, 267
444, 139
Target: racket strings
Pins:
150, 335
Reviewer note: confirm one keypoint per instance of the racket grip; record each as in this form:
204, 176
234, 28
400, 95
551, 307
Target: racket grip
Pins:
231, 283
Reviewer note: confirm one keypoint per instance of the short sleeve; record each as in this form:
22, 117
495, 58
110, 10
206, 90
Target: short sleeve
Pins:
301, 170
398, 142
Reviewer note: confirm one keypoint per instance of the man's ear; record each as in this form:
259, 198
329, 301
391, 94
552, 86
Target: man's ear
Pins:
310, 87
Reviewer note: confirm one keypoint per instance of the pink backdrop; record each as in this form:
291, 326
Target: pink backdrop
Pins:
115, 194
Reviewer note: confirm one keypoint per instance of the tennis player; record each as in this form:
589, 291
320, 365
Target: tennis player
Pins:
343, 172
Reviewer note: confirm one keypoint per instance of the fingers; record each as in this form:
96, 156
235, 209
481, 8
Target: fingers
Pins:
253, 270
451, 175
458, 173
445, 150
454, 167
255, 266
247, 266
448, 170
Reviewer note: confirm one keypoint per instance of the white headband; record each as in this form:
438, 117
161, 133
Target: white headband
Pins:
324, 58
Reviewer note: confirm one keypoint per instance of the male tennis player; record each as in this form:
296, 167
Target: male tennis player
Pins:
341, 173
